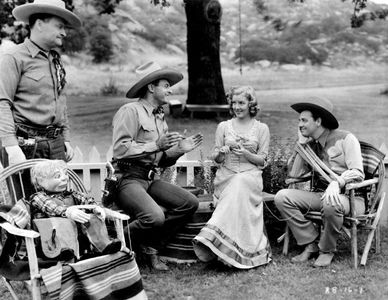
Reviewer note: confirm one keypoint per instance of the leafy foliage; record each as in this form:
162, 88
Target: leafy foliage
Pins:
275, 173
101, 46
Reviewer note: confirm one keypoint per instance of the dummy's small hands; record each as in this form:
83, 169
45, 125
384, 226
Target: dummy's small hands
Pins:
77, 214
190, 143
15, 154
332, 194
168, 140
100, 212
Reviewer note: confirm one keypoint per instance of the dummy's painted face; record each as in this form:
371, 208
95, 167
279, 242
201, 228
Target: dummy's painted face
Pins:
307, 125
240, 106
55, 183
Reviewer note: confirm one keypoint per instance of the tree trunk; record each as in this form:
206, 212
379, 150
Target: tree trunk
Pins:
203, 52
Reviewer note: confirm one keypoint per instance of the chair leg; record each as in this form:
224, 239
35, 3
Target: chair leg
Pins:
378, 239
354, 245
367, 247
286, 242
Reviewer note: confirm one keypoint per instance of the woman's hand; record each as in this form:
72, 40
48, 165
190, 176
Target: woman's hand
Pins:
240, 151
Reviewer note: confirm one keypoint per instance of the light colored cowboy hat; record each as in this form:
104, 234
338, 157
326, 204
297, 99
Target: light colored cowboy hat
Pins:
149, 72
321, 106
52, 7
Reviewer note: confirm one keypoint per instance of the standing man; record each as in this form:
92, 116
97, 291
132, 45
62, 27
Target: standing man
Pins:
341, 152
34, 122
141, 143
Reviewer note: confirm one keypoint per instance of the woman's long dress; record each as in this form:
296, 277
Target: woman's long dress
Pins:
235, 233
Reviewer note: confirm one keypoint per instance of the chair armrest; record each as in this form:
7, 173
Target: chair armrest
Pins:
111, 214
12, 229
357, 185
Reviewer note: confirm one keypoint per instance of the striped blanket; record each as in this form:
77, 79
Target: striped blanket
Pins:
114, 276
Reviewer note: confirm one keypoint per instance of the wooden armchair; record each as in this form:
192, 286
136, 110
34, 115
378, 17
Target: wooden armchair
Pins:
374, 197
14, 185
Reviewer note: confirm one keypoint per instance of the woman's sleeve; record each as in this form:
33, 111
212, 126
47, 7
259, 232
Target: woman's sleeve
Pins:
219, 140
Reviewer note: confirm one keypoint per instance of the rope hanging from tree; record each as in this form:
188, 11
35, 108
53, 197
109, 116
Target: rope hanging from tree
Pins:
239, 34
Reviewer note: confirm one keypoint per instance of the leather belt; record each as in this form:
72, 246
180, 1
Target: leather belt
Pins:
136, 169
50, 132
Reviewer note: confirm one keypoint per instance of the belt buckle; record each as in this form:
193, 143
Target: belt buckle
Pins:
151, 174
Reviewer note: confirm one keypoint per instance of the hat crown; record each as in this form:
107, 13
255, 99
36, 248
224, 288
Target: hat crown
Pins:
147, 69
56, 3
322, 102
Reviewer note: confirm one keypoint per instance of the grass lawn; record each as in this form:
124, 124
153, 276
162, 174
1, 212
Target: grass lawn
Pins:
359, 107
278, 280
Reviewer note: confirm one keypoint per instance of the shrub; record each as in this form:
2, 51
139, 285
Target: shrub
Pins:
75, 40
109, 89
275, 173
293, 53
101, 46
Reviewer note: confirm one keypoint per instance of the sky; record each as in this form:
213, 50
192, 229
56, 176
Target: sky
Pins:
380, 1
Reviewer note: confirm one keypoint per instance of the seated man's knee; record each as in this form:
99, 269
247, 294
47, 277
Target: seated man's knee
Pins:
280, 197
192, 204
153, 219
329, 210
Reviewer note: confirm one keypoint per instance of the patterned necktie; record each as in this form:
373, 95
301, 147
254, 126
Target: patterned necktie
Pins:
158, 110
59, 71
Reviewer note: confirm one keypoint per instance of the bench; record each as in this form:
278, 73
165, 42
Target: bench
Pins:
217, 108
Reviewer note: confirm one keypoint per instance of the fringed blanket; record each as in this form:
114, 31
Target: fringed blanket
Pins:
114, 276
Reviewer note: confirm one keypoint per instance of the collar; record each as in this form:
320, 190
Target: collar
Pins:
323, 137
147, 106
34, 49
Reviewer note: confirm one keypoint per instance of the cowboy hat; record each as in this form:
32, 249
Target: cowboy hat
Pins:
149, 72
52, 7
321, 106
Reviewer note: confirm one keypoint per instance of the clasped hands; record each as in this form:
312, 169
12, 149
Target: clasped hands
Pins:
182, 143
76, 214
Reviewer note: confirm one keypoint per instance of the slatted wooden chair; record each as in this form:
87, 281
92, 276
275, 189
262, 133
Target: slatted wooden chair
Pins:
371, 188
13, 186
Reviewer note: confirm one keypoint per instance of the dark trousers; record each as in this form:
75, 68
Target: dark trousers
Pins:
142, 200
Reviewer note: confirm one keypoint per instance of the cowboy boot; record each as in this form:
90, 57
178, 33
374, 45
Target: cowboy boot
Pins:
308, 252
98, 236
153, 259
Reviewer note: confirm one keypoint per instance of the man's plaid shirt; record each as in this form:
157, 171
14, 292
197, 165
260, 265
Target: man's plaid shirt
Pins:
55, 205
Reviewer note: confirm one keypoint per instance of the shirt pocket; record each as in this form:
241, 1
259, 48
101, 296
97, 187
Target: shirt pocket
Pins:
35, 76
148, 132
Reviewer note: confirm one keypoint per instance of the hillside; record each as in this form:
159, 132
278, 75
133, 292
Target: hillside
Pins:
141, 31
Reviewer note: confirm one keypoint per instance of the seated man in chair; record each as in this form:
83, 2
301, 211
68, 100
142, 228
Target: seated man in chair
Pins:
52, 199
340, 151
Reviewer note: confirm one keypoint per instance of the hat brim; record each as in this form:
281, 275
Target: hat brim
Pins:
331, 120
171, 75
23, 13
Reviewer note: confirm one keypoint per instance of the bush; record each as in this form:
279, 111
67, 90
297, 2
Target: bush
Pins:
109, 89
293, 53
275, 173
101, 46
75, 40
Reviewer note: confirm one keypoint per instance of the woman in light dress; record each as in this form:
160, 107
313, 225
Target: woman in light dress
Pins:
235, 233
